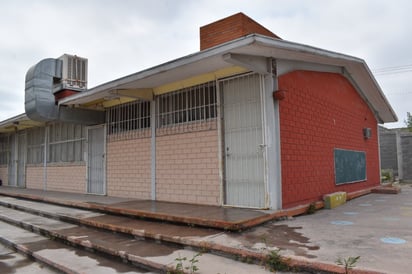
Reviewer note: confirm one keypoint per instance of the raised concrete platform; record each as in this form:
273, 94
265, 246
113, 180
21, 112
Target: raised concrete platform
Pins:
200, 215
225, 218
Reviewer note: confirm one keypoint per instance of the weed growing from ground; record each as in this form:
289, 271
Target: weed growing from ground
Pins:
311, 209
348, 263
192, 268
274, 262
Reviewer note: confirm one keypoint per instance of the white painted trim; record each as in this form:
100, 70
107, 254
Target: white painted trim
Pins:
220, 144
104, 159
153, 149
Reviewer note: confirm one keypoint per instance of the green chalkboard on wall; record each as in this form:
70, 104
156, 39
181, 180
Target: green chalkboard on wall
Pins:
350, 166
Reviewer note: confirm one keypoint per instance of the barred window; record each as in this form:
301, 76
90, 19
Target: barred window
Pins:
4, 149
128, 117
66, 142
35, 145
196, 103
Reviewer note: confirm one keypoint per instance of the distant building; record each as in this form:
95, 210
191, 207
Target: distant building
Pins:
251, 120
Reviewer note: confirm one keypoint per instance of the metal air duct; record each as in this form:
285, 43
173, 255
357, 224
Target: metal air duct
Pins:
40, 103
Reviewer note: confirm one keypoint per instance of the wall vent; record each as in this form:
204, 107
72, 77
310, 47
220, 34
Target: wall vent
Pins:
74, 74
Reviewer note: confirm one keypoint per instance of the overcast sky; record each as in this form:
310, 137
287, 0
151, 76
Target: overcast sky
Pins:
120, 37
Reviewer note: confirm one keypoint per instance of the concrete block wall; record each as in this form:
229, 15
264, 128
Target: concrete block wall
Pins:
406, 144
396, 152
35, 177
129, 168
320, 112
67, 177
4, 174
188, 168
388, 147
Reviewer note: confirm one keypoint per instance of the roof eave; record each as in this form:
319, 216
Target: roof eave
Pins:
275, 48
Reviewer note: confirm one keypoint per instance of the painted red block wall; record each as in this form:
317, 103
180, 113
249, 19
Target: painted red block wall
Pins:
321, 112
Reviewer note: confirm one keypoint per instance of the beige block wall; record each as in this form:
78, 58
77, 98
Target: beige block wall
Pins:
188, 168
4, 174
67, 177
129, 168
35, 177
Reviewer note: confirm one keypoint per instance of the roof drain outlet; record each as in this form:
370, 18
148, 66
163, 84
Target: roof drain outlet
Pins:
40, 103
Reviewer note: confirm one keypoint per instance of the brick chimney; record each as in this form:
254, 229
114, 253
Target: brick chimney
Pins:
230, 28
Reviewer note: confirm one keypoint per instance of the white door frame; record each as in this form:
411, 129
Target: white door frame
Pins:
263, 146
88, 158
17, 166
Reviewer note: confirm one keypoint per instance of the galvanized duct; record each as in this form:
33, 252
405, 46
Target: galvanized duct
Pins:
40, 102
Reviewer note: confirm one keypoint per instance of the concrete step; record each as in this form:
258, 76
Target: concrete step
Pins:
58, 257
14, 262
158, 257
196, 237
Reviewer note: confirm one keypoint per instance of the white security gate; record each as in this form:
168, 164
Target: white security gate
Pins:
244, 148
13, 163
21, 163
17, 166
96, 164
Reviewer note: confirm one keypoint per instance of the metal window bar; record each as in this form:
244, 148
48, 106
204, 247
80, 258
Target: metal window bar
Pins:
4, 149
67, 143
35, 145
128, 121
188, 109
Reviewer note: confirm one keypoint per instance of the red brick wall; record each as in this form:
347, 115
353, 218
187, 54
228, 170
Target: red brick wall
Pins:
320, 112
230, 28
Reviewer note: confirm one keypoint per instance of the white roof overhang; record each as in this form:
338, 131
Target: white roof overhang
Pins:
215, 59
17, 123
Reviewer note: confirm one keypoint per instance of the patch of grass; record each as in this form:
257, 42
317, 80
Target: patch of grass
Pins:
387, 175
274, 262
311, 209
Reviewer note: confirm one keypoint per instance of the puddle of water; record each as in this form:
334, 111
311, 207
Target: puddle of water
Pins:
391, 219
102, 261
393, 240
280, 236
13, 266
365, 204
341, 223
351, 213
